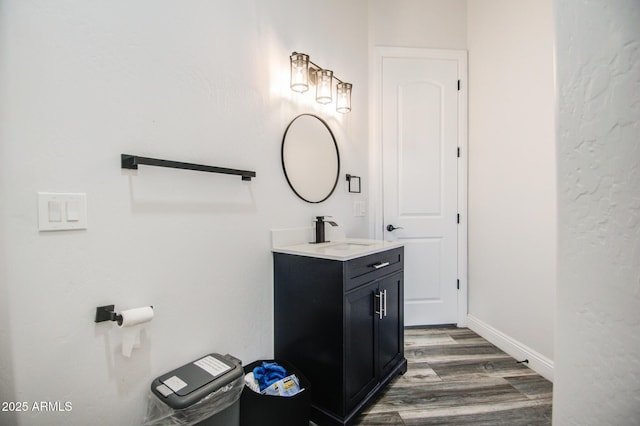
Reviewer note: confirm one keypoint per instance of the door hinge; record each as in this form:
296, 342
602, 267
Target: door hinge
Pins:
458, 284
458, 152
458, 84
458, 218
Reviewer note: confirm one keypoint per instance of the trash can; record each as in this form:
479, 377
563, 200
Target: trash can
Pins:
203, 392
270, 410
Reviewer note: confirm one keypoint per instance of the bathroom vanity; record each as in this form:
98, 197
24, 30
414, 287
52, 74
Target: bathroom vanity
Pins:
339, 319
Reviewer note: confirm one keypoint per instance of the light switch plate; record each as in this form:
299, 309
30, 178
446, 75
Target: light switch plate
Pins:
54, 213
73, 210
61, 211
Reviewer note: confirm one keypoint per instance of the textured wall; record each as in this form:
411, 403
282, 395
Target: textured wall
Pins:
512, 203
200, 81
440, 24
598, 324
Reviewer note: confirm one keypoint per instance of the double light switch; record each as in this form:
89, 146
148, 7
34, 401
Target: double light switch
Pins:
57, 212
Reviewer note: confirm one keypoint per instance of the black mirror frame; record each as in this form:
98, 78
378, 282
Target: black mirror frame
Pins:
284, 169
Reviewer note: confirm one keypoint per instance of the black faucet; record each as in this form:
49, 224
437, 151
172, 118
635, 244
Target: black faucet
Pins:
320, 228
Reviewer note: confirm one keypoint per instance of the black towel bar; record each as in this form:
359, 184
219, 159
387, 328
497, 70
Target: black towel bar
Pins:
132, 161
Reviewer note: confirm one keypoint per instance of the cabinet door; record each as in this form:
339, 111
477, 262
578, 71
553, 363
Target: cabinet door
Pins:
361, 329
391, 326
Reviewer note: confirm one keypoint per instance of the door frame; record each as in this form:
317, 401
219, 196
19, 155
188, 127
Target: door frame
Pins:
376, 219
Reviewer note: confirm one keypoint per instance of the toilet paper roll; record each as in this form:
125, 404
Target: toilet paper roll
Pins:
136, 316
133, 321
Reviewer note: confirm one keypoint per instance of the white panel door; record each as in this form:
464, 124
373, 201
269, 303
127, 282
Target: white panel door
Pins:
419, 137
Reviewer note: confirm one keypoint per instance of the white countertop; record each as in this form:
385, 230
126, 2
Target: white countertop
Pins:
346, 249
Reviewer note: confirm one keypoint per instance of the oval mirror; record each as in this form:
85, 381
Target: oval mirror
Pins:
310, 158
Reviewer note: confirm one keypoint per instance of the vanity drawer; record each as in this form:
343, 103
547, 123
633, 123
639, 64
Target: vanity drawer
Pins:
368, 268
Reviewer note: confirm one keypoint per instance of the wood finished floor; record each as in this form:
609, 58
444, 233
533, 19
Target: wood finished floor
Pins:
456, 377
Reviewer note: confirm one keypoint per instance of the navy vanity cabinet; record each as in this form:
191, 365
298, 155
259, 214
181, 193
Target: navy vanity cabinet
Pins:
373, 344
341, 323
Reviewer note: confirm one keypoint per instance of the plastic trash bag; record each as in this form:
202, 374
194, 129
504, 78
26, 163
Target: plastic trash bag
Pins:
160, 414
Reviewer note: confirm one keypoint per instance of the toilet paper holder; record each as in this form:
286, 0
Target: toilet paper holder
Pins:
108, 313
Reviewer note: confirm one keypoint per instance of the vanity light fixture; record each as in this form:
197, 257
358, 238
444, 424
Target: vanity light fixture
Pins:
324, 89
299, 72
343, 97
303, 71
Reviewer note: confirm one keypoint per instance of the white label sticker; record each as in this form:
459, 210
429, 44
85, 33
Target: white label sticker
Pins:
175, 383
212, 366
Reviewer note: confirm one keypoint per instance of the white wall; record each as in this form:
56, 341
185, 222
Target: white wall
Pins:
598, 324
438, 24
512, 204
83, 82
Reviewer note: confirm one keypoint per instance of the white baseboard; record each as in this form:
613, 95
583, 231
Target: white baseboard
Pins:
537, 362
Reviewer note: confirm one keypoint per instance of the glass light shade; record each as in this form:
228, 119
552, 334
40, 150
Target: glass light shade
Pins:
324, 88
343, 97
299, 72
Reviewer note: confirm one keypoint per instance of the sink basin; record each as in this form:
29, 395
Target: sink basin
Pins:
348, 246
342, 250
